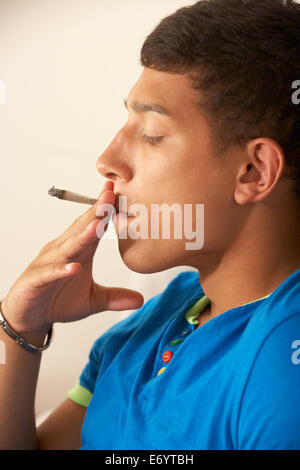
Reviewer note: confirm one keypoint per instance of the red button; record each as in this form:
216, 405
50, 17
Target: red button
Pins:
167, 356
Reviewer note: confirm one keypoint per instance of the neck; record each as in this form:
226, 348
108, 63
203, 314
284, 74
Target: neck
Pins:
260, 259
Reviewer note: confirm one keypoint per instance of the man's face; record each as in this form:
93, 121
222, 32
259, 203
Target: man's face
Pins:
163, 155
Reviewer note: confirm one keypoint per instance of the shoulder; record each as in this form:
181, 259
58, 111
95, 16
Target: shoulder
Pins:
269, 413
272, 317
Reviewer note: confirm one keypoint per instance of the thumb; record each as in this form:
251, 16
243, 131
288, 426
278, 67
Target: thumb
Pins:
115, 298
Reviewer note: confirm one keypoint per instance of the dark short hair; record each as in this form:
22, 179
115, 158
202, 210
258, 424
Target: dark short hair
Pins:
242, 57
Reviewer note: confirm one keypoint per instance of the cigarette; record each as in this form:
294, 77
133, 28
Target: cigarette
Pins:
69, 196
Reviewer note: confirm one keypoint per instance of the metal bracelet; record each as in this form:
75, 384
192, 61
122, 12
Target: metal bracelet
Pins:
29, 347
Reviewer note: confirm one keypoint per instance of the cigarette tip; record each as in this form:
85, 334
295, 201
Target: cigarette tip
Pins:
55, 192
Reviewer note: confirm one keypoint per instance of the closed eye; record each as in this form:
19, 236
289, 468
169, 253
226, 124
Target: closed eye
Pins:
152, 140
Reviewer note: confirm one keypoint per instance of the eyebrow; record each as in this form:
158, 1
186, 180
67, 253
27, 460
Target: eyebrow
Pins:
145, 108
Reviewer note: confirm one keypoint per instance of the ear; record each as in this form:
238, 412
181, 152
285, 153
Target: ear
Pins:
260, 173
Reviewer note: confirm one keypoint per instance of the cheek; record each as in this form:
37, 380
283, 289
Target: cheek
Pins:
176, 173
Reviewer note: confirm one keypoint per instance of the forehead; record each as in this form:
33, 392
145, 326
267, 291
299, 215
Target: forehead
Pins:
168, 90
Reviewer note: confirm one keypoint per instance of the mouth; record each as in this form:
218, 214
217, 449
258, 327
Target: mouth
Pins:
120, 210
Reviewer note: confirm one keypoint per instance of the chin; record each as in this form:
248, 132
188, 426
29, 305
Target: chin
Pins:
148, 256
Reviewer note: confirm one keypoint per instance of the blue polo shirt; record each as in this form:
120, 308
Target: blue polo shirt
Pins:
155, 382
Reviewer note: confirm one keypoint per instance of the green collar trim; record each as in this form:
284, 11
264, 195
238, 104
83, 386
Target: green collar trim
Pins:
191, 315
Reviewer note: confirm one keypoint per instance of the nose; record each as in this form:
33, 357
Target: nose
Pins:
114, 162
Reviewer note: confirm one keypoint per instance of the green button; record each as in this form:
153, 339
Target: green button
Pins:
175, 341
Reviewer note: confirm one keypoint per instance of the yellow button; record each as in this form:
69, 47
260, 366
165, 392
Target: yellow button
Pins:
161, 370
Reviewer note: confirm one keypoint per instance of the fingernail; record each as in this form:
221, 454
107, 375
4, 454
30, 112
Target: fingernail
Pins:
108, 186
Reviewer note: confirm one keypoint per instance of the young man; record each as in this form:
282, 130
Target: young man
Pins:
211, 362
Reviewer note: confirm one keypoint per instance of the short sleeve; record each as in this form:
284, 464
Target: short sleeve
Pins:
105, 349
80, 395
102, 352
83, 391
269, 416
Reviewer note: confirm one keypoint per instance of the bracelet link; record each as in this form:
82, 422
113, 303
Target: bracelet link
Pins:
19, 340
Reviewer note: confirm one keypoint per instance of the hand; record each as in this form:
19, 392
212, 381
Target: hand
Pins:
58, 285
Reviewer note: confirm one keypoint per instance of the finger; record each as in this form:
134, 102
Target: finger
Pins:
79, 225
43, 276
108, 185
105, 195
114, 298
77, 248
82, 246
94, 231
71, 244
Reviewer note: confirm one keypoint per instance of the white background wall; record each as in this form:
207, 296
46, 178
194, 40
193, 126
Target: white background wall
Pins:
67, 65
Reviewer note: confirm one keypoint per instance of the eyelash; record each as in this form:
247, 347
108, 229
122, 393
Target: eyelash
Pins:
152, 140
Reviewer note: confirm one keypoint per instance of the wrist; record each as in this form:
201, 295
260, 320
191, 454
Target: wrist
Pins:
23, 328
30, 340
36, 339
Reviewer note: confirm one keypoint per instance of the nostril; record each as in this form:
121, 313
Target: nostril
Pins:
110, 176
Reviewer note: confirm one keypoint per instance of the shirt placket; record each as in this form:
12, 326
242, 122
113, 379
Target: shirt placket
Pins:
171, 347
